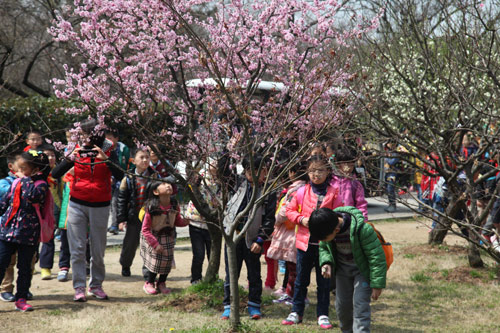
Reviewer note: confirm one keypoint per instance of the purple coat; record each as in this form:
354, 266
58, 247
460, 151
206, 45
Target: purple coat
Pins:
350, 193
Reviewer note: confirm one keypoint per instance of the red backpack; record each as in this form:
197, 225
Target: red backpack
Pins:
45, 214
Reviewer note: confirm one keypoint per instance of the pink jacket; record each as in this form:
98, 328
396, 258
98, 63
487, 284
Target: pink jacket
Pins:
308, 206
350, 193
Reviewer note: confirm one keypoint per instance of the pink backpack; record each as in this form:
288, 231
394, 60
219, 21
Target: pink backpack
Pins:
45, 214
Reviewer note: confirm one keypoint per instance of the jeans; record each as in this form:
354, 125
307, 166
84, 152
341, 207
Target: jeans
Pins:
200, 242
64, 254
25, 255
306, 260
252, 261
47, 254
390, 179
130, 243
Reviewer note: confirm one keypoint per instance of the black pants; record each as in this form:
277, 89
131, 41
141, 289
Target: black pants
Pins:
130, 243
47, 254
64, 254
25, 255
151, 277
200, 241
252, 261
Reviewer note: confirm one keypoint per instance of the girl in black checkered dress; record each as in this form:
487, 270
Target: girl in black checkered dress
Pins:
158, 235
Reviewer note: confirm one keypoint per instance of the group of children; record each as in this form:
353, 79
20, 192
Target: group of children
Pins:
302, 226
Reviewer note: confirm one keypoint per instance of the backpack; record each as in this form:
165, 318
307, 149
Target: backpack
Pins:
386, 246
45, 214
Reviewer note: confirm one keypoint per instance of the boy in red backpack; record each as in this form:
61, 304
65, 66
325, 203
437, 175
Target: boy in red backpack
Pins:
20, 225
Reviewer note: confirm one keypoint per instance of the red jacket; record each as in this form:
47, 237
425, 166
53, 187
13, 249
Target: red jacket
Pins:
92, 183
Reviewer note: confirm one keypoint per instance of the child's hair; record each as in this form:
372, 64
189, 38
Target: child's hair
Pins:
257, 160
318, 146
33, 131
152, 204
114, 132
300, 170
12, 157
136, 150
318, 158
322, 223
345, 154
46, 146
37, 159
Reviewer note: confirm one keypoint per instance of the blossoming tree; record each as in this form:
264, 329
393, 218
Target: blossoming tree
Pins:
191, 83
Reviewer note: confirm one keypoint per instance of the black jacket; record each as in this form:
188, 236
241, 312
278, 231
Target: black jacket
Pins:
127, 209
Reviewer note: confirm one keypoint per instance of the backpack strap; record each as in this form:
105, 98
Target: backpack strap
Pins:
300, 196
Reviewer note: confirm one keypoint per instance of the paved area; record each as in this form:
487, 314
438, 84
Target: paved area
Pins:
376, 212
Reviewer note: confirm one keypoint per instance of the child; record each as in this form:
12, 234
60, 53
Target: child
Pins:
131, 196
249, 248
7, 286
351, 252
33, 140
20, 225
283, 243
55, 187
64, 253
158, 234
318, 193
350, 190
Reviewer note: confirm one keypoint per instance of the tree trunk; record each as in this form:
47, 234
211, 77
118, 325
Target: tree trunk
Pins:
215, 253
233, 285
437, 235
474, 256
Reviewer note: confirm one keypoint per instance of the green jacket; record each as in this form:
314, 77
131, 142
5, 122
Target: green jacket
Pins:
366, 248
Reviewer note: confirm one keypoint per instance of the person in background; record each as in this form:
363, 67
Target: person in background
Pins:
34, 139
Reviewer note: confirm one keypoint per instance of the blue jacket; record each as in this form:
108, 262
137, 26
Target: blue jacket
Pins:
24, 226
5, 184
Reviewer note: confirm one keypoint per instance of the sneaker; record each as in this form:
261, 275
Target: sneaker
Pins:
254, 312
126, 271
62, 276
113, 230
324, 322
162, 288
7, 297
29, 296
22, 306
227, 312
80, 295
149, 288
195, 282
97, 292
279, 293
292, 319
390, 208
46, 274
284, 299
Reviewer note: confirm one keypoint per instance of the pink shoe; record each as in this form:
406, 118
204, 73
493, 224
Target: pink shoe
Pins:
162, 288
280, 292
149, 288
80, 295
97, 292
22, 306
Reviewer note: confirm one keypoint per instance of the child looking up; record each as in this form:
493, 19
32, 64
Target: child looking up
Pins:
350, 252
19, 223
131, 197
158, 234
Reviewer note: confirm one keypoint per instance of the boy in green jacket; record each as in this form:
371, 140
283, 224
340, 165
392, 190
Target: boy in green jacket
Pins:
351, 251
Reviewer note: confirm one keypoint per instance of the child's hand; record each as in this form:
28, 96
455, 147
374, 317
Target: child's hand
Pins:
255, 248
159, 248
376, 293
122, 226
326, 271
305, 222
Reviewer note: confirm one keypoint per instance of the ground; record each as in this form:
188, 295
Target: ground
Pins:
429, 289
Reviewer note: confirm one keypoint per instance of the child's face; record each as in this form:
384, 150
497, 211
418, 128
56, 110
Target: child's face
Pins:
261, 176
69, 137
317, 171
52, 158
291, 175
329, 152
14, 167
26, 169
34, 140
112, 138
331, 236
141, 160
164, 189
345, 168
152, 156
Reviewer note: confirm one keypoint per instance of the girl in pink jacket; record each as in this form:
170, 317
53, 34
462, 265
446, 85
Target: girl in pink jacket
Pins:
350, 190
317, 193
